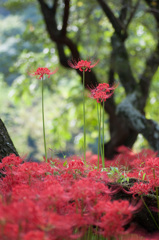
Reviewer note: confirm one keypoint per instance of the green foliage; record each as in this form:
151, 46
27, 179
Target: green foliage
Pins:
15, 5
116, 174
14, 39
152, 104
142, 40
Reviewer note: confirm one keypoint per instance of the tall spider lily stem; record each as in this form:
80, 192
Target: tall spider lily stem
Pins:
43, 117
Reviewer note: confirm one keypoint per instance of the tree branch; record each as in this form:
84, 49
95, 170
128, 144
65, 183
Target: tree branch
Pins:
132, 15
121, 59
111, 80
122, 65
123, 11
54, 8
154, 9
151, 67
65, 17
54, 33
152, 62
136, 121
116, 23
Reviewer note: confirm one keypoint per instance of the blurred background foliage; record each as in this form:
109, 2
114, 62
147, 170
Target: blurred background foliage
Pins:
25, 45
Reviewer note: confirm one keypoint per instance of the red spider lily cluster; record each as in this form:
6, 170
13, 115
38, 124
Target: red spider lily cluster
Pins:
56, 201
102, 92
41, 71
148, 173
82, 65
143, 166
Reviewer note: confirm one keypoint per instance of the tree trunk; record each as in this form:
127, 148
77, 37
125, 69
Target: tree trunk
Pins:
6, 145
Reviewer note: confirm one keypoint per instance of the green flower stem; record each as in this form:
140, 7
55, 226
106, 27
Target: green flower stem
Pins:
43, 118
99, 132
98, 135
89, 234
157, 202
100, 120
154, 175
150, 212
103, 162
84, 117
97, 237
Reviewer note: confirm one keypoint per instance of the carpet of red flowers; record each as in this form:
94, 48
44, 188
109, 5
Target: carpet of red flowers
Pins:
66, 199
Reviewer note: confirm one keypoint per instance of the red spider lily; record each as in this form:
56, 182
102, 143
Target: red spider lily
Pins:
54, 198
82, 65
95, 174
86, 192
152, 163
76, 166
36, 235
19, 215
63, 227
113, 216
40, 72
11, 160
102, 92
140, 188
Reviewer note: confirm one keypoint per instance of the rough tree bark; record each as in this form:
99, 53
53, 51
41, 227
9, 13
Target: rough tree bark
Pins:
6, 145
122, 131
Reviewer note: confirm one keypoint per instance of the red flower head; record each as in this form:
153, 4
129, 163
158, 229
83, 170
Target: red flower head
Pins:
102, 92
82, 65
141, 188
40, 72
